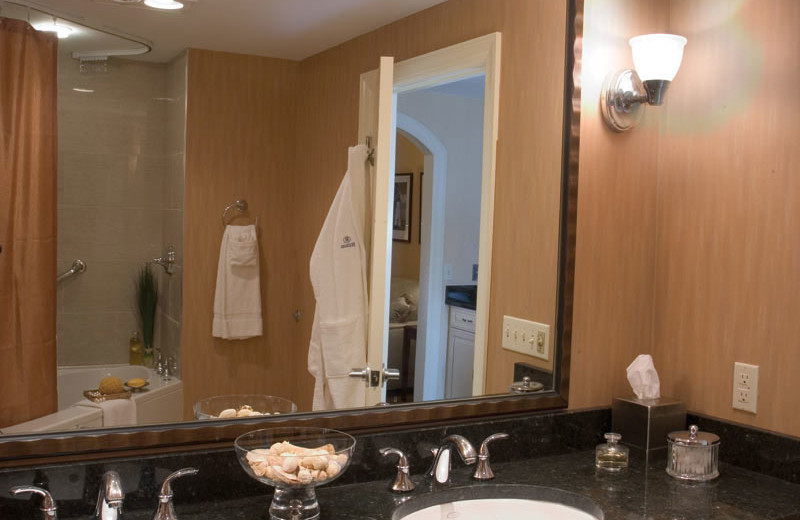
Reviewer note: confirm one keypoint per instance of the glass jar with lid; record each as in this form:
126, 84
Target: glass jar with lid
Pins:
693, 455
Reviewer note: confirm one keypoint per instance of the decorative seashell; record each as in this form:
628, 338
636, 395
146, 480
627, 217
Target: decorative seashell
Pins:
317, 462
333, 468
341, 459
255, 458
284, 476
227, 413
244, 412
246, 407
304, 476
322, 476
280, 447
260, 468
290, 464
329, 448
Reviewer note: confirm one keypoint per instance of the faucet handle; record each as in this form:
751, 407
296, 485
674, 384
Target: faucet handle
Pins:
484, 471
48, 507
165, 510
402, 481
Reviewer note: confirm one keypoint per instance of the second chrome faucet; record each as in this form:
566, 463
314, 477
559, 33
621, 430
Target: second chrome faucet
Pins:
440, 470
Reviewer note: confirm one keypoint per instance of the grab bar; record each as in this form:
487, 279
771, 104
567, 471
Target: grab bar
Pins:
78, 266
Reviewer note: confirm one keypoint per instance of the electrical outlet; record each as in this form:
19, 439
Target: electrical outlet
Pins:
745, 387
526, 337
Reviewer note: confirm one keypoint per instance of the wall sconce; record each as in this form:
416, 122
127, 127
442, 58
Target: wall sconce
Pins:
657, 58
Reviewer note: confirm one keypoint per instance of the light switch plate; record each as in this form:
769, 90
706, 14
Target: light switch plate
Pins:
745, 387
526, 337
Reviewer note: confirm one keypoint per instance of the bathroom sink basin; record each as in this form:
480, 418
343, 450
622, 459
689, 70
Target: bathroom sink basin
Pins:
504, 501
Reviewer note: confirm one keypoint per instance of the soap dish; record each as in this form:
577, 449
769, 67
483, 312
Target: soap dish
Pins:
96, 396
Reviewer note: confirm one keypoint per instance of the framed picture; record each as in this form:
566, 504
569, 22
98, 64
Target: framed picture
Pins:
401, 216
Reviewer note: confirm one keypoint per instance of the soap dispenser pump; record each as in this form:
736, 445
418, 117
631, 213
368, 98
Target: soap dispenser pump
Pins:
166, 511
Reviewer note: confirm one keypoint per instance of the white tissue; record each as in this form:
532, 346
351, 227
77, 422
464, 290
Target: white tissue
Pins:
643, 377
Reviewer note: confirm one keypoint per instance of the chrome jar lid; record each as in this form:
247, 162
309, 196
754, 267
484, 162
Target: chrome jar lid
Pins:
526, 385
693, 437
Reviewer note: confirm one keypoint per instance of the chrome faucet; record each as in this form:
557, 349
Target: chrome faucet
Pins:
440, 470
165, 510
109, 498
168, 261
48, 507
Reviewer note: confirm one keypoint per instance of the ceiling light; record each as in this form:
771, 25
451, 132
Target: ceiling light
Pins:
85, 90
163, 4
63, 31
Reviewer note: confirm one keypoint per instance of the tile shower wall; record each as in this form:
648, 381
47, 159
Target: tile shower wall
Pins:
118, 199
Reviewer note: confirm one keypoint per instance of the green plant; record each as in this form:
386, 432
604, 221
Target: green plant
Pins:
146, 301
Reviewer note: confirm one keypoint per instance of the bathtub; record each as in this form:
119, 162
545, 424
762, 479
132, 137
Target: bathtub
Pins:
160, 402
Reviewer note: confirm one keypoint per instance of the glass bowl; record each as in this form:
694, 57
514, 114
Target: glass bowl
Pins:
294, 461
212, 407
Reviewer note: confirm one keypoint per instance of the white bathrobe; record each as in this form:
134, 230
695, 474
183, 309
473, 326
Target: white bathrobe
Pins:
339, 276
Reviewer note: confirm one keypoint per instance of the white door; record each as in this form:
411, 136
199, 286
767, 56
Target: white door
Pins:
377, 103
375, 126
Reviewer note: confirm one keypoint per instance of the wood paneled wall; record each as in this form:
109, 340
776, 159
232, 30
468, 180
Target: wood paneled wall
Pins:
240, 143
688, 246
728, 221
614, 251
528, 178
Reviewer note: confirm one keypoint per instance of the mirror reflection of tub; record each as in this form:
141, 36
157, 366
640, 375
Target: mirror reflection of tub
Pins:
161, 401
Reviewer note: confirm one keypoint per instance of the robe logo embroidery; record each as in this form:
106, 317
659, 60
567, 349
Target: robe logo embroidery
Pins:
347, 242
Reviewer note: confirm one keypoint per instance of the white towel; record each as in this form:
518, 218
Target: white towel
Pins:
116, 412
237, 301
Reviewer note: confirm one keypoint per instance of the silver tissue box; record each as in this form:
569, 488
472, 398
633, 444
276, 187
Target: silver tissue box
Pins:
645, 423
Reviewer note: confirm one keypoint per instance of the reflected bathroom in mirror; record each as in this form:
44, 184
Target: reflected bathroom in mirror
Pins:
160, 129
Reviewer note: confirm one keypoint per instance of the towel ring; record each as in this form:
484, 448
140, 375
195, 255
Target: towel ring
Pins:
240, 206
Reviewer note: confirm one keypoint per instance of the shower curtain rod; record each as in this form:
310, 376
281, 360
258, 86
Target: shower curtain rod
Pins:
79, 20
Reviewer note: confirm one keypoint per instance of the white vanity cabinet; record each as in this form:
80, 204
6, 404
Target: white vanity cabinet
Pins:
460, 353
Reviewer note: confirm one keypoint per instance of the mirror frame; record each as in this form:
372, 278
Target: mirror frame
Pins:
63, 447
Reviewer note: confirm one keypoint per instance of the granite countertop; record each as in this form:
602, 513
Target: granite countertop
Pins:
640, 492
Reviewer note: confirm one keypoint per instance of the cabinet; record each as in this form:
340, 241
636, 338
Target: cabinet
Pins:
460, 353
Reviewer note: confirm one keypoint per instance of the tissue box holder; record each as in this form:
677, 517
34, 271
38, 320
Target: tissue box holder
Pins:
645, 423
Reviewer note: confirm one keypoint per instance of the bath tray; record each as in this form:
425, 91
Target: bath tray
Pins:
97, 397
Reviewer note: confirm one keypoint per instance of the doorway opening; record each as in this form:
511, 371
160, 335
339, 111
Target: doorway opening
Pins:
436, 218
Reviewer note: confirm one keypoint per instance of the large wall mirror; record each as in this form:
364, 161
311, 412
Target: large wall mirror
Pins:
156, 140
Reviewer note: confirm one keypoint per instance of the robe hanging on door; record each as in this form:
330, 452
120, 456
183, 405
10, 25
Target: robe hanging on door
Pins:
339, 276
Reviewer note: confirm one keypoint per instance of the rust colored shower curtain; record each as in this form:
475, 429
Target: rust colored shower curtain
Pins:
28, 190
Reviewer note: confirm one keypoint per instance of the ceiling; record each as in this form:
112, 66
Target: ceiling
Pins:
290, 29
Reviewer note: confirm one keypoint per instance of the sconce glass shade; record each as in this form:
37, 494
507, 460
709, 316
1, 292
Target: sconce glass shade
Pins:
657, 56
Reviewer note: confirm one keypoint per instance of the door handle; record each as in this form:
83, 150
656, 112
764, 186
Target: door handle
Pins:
375, 378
